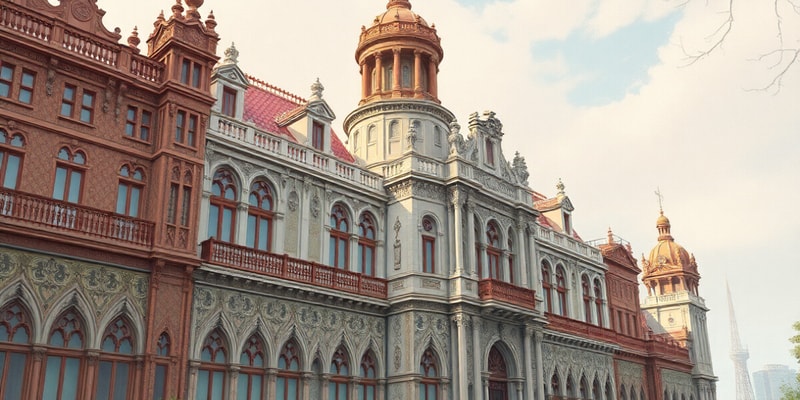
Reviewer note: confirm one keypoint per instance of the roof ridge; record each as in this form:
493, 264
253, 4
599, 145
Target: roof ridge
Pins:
276, 90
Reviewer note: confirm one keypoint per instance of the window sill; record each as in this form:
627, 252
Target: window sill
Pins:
185, 146
135, 139
17, 102
76, 121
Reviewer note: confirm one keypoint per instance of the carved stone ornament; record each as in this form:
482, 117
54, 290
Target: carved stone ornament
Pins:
294, 199
315, 206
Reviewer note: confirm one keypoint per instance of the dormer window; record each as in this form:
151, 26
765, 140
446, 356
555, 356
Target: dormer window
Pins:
489, 152
567, 224
317, 136
229, 101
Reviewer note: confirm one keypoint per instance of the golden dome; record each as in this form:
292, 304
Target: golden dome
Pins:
399, 26
667, 255
398, 10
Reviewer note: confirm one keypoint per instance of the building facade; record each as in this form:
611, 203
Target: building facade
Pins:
171, 227
769, 381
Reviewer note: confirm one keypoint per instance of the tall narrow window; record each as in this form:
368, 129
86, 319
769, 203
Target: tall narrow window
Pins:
10, 160
555, 385
6, 79
478, 253
138, 123
367, 386
114, 370
428, 245
179, 203
68, 100
63, 367
186, 125
211, 374
251, 374
598, 301
129, 190
493, 250
583, 389
366, 244
318, 136
546, 287
429, 381
15, 337
222, 210
87, 107
288, 380
229, 101
162, 367
180, 126
260, 216
191, 130
69, 175
489, 152
339, 237
587, 298
197, 75
510, 257
561, 290
340, 371
186, 68
26, 87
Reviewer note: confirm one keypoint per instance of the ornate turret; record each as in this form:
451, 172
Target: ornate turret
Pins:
669, 268
399, 56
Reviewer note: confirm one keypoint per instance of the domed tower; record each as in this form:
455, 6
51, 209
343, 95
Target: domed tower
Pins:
674, 305
399, 111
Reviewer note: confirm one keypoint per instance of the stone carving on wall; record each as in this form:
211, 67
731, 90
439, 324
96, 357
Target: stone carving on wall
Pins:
293, 201
520, 168
455, 139
430, 327
630, 374
398, 251
575, 361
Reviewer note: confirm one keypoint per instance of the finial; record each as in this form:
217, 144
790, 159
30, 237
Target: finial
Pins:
231, 55
133, 40
316, 90
610, 236
560, 186
177, 9
399, 3
159, 19
193, 6
211, 21
660, 201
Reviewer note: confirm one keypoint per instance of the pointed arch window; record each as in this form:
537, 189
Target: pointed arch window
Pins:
498, 375
70, 168
287, 382
129, 190
162, 367
583, 389
222, 212
546, 287
15, 334
561, 290
428, 245
597, 390
114, 370
366, 244
260, 216
598, 301
251, 372
339, 237
429, 382
587, 298
211, 374
367, 386
555, 386
633, 394
493, 250
623, 395
609, 391
340, 371
63, 369
11, 156
570, 387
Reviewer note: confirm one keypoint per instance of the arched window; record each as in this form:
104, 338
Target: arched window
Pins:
251, 374
561, 290
15, 334
162, 366
366, 244
583, 390
429, 382
70, 168
116, 358
211, 375
63, 369
339, 237
260, 217
633, 394
555, 386
129, 190
498, 375
222, 212
489, 152
287, 382
609, 390
570, 387
587, 298
511, 249
598, 301
340, 374
597, 390
428, 245
493, 250
10, 159
546, 287
367, 386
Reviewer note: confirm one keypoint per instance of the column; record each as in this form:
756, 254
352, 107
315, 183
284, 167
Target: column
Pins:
396, 84
463, 380
240, 231
536, 271
417, 73
39, 355
432, 70
192, 390
529, 379
92, 358
472, 261
353, 255
378, 84
477, 358
233, 372
365, 81
521, 257
540, 382
457, 200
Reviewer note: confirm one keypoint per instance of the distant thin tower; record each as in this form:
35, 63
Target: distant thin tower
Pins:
739, 355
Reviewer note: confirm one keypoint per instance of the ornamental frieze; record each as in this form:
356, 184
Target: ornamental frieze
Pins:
424, 190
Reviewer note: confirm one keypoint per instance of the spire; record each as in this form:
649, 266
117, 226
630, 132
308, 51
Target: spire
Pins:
739, 355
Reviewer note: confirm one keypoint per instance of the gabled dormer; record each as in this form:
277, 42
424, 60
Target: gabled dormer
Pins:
486, 132
558, 210
310, 123
228, 85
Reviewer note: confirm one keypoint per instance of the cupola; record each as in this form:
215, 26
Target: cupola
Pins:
669, 268
399, 56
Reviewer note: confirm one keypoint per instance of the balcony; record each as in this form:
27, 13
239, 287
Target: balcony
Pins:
293, 269
57, 216
492, 289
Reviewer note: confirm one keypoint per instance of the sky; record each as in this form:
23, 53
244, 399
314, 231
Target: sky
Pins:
609, 96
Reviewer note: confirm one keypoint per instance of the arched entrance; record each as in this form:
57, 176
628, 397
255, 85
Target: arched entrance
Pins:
498, 375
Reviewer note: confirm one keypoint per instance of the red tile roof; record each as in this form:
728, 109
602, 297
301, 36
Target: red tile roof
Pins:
264, 103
